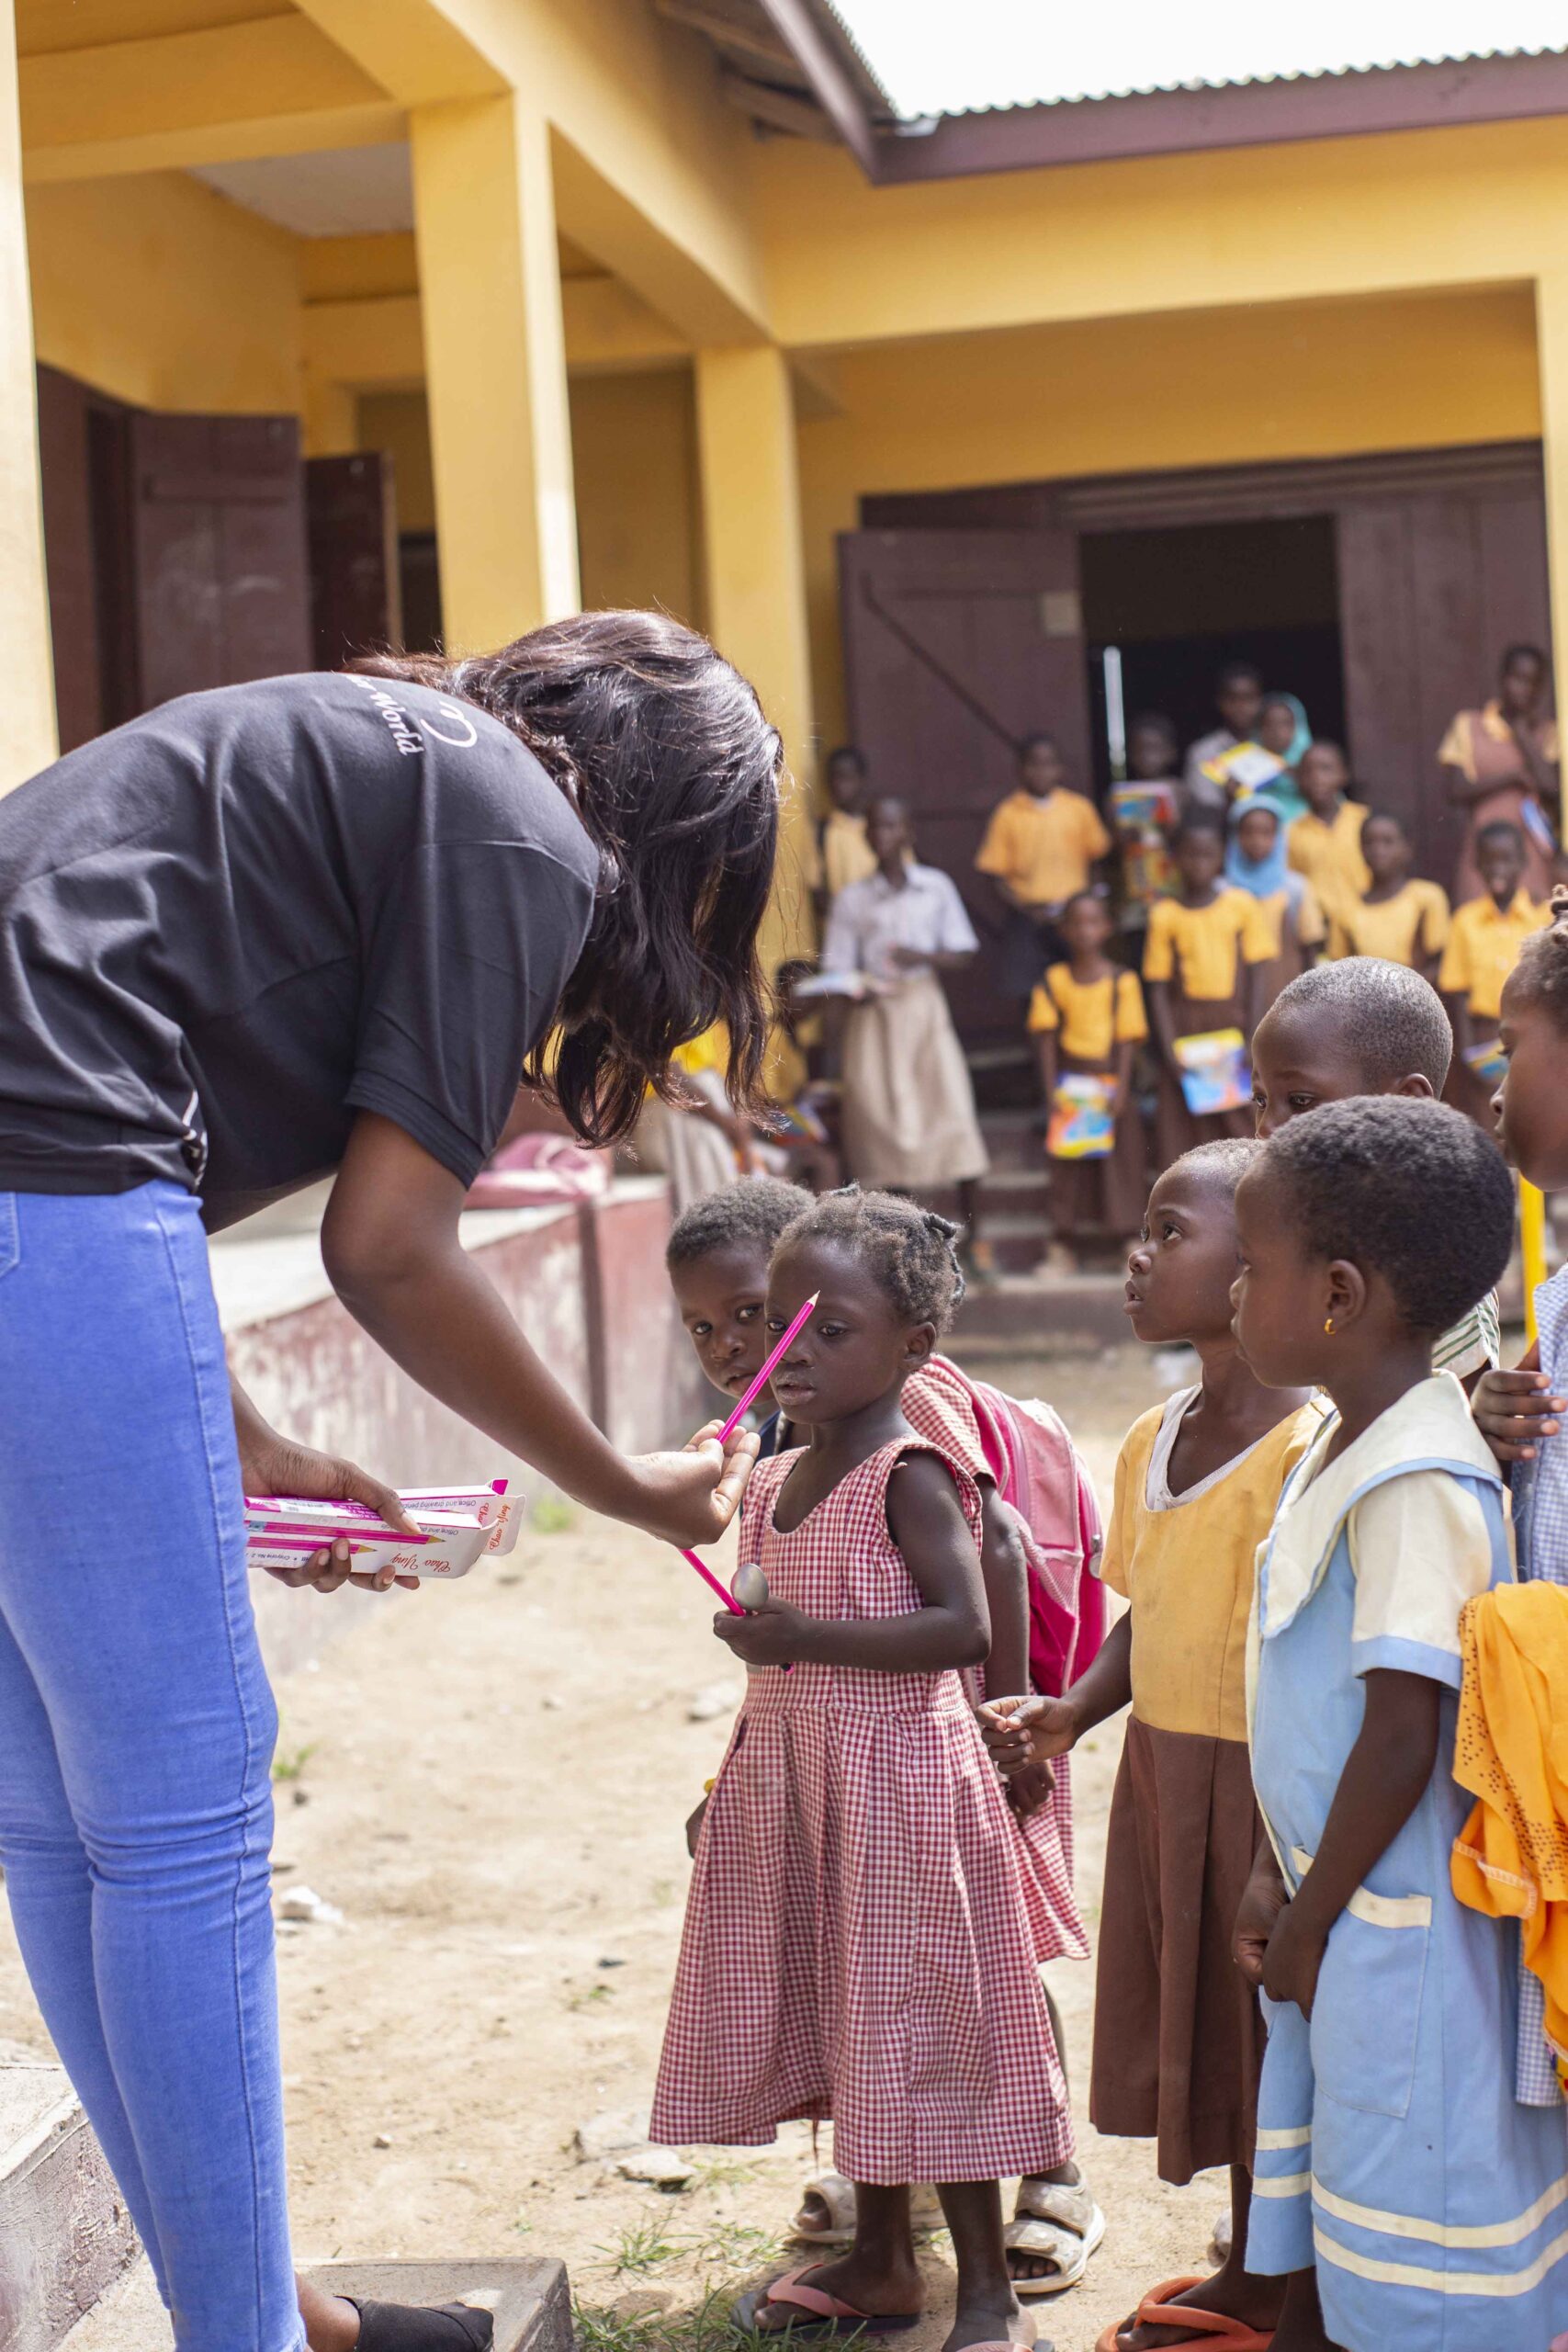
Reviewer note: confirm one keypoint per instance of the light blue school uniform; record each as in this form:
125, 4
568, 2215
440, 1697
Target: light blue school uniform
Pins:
1391, 2149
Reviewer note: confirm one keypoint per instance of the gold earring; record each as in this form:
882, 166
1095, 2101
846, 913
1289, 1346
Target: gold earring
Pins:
1329, 1327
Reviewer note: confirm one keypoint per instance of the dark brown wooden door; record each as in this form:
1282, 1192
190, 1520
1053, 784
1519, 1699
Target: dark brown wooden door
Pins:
958, 643
220, 577
352, 531
1432, 587
64, 473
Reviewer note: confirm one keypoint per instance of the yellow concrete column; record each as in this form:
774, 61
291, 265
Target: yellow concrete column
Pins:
495, 368
29, 741
756, 578
1551, 346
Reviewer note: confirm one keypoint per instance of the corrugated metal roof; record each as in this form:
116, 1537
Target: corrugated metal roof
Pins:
1251, 81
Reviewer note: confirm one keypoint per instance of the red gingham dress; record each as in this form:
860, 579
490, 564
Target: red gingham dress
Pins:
864, 1923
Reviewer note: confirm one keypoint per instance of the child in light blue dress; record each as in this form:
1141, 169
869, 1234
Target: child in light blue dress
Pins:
1415, 2203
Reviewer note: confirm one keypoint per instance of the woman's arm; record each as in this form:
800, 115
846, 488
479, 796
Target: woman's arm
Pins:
389, 1243
952, 1629
1382, 1782
271, 1463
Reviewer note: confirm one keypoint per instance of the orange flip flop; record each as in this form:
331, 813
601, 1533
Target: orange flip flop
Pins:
1208, 2331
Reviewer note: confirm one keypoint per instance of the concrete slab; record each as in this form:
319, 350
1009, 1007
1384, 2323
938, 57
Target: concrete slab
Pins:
529, 2300
64, 2236
129, 2318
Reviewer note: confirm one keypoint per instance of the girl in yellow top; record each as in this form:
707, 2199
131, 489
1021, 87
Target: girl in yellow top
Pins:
1485, 940
1396, 916
1325, 845
1086, 1016
1200, 961
1179, 2041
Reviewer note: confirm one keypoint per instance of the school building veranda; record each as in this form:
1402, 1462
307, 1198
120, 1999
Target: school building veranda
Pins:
432, 317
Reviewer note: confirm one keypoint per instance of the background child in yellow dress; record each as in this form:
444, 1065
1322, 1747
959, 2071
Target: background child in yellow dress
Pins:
1086, 1017
1041, 846
1323, 845
1204, 946
1485, 940
1397, 917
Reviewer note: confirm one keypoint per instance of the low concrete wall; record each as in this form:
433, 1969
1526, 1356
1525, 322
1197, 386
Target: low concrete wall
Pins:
588, 1285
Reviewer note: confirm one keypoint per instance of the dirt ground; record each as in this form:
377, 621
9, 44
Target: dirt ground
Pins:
490, 1783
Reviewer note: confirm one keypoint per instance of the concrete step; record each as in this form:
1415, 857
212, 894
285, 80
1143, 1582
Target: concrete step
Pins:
64, 2236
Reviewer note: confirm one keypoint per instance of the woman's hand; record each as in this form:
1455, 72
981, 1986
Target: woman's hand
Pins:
272, 1464
690, 1497
1291, 1961
1022, 1731
772, 1635
1257, 1917
1514, 1411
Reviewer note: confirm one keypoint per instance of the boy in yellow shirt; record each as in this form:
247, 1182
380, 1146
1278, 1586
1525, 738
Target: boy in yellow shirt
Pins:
1401, 919
1041, 847
1483, 947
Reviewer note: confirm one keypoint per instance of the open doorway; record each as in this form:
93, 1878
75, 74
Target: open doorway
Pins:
1181, 601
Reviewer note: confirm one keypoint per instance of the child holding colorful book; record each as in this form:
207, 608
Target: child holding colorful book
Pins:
1087, 1018
1204, 947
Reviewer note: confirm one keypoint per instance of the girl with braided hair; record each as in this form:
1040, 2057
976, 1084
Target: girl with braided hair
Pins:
867, 1915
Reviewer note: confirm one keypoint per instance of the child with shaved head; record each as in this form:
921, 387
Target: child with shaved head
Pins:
1364, 1026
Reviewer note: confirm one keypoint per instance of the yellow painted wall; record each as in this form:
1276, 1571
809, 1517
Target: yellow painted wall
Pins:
1128, 395
634, 456
1328, 217
635, 463
158, 291
399, 423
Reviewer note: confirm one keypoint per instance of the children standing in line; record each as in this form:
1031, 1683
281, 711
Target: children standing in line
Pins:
1323, 845
1087, 1016
1255, 862
866, 1920
1198, 963
1402, 919
1178, 2038
1483, 947
718, 1255
1144, 813
1404, 2193
1041, 846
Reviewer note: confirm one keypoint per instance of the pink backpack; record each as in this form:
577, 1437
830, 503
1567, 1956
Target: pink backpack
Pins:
1040, 1472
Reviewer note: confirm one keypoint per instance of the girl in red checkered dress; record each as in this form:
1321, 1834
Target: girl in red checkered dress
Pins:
867, 1915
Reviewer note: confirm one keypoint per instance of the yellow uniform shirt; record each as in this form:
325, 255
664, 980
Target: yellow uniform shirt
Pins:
1329, 855
1410, 927
1043, 848
1483, 947
1311, 929
1207, 944
1186, 1563
1093, 1016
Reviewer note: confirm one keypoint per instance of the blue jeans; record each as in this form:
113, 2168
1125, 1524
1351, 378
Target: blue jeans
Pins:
136, 1738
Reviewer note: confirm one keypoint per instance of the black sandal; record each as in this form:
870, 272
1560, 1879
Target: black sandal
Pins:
407, 2327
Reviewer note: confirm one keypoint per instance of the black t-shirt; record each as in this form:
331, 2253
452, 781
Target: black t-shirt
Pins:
228, 926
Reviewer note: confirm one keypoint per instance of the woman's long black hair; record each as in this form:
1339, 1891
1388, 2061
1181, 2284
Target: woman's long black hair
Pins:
662, 749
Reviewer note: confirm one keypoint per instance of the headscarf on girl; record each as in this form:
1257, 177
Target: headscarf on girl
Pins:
1263, 877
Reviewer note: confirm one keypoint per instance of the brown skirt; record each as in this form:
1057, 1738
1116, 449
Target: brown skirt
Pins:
1178, 2034
1104, 1198
1176, 1130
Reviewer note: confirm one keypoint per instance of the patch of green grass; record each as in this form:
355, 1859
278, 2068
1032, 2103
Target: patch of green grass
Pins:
553, 1515
737, 2248
706, 2327
640, 2247
589, 1996
292, 1766
725, 2172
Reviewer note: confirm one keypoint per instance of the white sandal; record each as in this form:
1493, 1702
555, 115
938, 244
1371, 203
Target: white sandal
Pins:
837, 2195
1055, 2222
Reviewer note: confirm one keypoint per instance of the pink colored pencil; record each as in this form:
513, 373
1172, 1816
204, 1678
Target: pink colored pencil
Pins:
801, 1320
708, 1577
